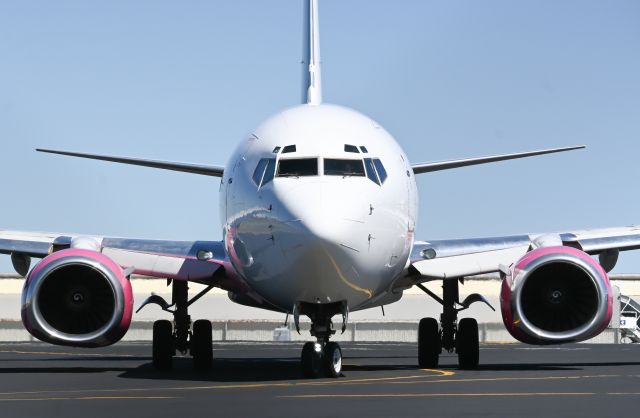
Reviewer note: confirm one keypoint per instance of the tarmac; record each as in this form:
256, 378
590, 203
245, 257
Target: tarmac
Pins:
264, 379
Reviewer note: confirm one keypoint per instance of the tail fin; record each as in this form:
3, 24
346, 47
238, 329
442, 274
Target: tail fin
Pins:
311, 77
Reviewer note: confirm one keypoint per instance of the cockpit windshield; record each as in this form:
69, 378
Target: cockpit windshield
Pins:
297, 167
336, 167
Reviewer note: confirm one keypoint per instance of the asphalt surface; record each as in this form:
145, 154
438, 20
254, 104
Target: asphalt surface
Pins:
264, 379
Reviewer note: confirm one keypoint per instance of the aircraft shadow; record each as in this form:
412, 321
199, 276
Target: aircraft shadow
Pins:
239, 370
77, 359
60, 370
243, 370
269, 370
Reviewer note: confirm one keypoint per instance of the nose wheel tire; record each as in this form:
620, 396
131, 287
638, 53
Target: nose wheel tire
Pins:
332, 359
467, 343
201, 345
428, 343
163, 347
311, 359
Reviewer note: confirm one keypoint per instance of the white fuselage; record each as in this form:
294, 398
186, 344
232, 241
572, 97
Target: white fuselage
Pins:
324, 237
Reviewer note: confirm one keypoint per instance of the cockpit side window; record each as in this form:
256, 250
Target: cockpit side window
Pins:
297, 167
259, 171
270, 171
336, 167
263, 173
382, 173
371, 171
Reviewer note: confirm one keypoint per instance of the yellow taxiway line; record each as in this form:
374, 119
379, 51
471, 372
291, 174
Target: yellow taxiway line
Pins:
54, 353
436, 395
439, 373
88, 398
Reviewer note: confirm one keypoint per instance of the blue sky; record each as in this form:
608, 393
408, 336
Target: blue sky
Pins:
449, 79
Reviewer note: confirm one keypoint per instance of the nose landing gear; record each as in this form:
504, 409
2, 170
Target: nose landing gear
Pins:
323, 357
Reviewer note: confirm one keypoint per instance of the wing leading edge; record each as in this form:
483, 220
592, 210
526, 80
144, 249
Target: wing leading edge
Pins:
202, 261
205, 170
452, 259
446, 165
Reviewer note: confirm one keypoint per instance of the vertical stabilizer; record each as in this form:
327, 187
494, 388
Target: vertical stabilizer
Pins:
311, 78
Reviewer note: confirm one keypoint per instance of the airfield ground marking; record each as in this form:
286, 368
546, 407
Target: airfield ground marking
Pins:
363, 381
54, 353
240, 386
439, 395
499, 379
89, 398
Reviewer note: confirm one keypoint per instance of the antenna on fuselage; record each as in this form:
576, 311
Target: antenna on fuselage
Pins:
311, 77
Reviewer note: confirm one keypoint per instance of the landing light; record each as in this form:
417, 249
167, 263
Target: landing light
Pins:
428, 254
205, 255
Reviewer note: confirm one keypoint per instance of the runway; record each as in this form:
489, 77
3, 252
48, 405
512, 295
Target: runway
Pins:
263, 379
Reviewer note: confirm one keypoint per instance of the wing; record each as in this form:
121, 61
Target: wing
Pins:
205, 170
201, 261
451, 259
446, 165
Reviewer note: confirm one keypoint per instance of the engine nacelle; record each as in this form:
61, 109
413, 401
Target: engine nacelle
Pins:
556, 295
77, 297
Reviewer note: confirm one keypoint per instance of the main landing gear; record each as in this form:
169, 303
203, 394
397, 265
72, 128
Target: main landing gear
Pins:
461, 336
180, 335
323, 357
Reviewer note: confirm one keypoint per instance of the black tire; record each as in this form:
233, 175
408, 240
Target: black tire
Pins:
468, 343
311, 360
201, 345
163, 347
332, 359
429, 346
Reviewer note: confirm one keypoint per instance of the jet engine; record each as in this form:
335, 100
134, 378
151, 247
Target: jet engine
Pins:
556, 295
77, 297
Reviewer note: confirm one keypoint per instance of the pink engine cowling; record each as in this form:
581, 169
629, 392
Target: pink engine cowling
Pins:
79, 298
556, 295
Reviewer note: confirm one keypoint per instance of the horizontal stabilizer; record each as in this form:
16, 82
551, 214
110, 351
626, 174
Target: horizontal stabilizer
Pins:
205, 170
446, 165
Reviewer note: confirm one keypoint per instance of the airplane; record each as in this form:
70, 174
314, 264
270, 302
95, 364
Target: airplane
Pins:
318, 209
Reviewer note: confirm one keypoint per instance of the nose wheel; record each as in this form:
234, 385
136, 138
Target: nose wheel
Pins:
332, 359
311, 359
318, 360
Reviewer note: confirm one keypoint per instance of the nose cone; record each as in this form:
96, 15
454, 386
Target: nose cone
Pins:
330, 212
327, 239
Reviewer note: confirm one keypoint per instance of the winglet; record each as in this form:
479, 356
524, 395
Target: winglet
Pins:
311, 76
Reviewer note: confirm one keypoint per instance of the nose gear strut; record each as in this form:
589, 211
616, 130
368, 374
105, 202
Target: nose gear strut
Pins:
322, 355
